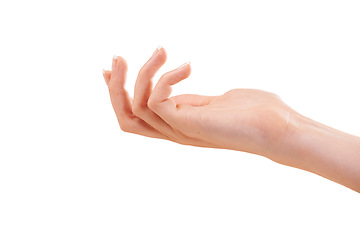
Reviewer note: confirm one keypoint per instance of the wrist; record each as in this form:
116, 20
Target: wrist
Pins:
300, 141
285, 147
317, 148
305, 143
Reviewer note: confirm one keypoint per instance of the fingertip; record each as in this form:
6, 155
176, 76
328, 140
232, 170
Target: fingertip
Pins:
118, 73
157, 50
118, 61
185, 68
159, 56
107, 76
184, 65
182, 72
121, 62
162, 51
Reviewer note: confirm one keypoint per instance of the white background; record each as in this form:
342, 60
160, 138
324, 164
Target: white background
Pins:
67, 171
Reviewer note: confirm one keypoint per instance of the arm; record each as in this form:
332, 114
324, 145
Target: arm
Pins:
242, 119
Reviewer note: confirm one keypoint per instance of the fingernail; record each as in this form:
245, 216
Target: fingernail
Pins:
103, 71
114, 61
187, 63
157, 50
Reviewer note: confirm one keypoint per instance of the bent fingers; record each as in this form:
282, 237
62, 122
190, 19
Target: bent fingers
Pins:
121, 102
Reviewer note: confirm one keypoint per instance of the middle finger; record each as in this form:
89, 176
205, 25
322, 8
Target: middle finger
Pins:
142, 92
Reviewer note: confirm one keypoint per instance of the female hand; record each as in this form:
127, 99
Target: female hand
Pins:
242, 119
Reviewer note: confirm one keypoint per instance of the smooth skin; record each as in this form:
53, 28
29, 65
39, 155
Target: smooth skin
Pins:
246, 120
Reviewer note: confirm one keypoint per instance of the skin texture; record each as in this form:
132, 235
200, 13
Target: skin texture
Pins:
247, 120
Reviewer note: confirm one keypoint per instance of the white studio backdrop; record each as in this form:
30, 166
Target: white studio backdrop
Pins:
67, 171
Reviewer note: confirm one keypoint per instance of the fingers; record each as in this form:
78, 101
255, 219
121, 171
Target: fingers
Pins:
159, 101
163, 88
143, 85
119, 97
121, 102
150, 113
143, 89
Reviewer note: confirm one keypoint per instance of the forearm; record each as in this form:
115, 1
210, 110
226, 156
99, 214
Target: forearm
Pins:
320, 149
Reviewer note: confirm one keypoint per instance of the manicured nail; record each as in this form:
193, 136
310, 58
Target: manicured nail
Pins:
157, 50
114, 61
103, 71
187, 63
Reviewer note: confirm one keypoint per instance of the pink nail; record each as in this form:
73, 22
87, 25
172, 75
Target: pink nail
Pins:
114, 62
157, 50
187, 63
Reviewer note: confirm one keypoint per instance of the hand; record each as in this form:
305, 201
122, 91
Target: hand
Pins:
242, 119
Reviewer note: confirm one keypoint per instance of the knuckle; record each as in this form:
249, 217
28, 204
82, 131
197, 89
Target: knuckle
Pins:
151, 103
165, 77
138, 110
144, 72
125, 126
276, 96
